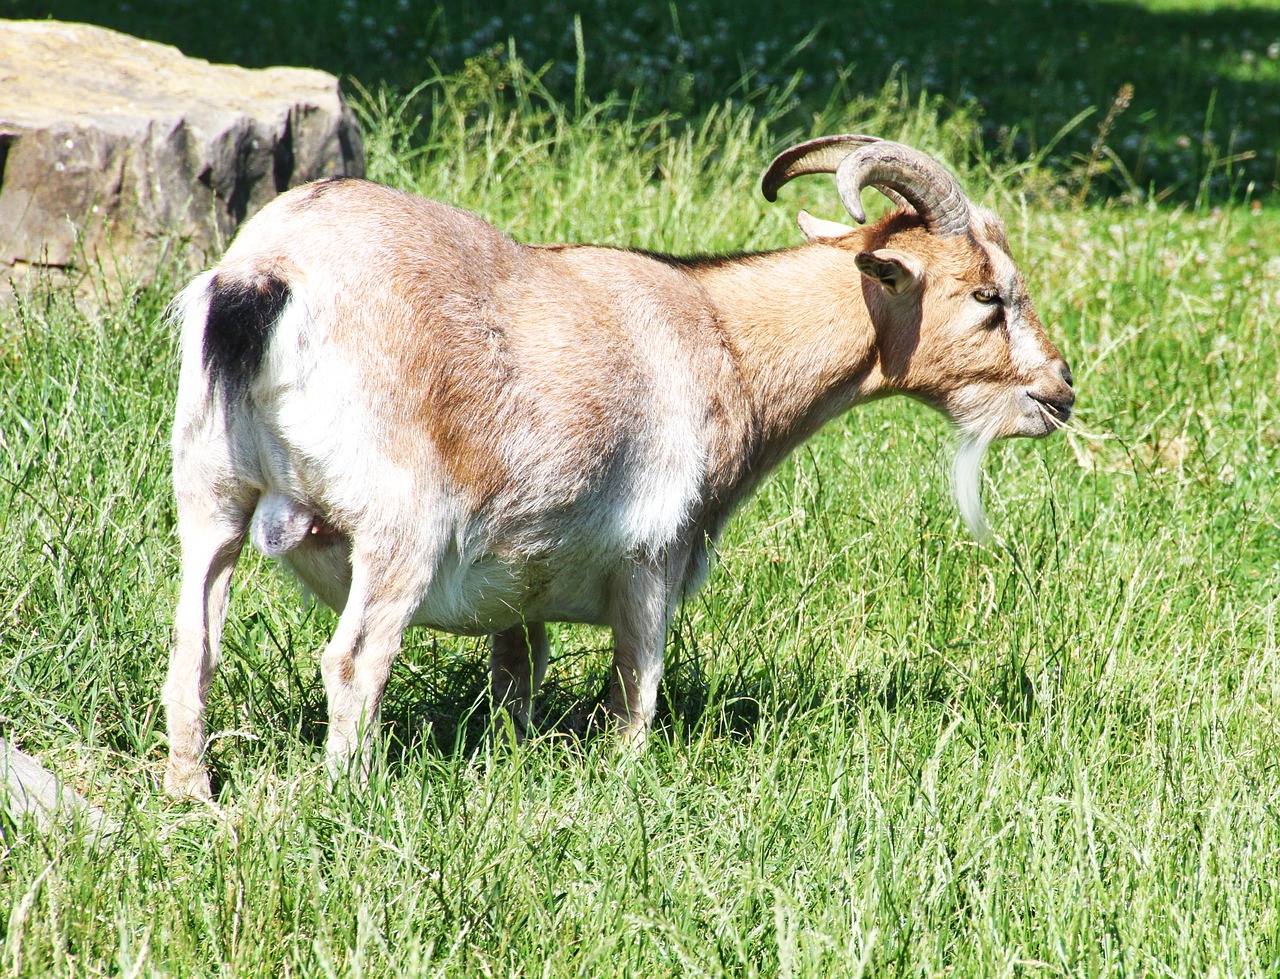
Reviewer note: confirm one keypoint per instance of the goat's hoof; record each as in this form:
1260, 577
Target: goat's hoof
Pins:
345, 770
182, 783
629, 736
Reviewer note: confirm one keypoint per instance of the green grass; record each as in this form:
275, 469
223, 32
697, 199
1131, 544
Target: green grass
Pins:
882, 747
1040, 77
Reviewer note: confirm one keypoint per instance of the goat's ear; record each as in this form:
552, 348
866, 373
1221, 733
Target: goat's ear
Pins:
816, 229
896, 271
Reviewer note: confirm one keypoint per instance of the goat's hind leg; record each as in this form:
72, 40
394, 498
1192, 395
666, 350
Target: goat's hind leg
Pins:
357, 662
517, 663
211, 536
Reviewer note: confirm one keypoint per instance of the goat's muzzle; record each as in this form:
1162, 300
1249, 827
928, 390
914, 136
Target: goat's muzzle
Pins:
1059, 408
1056, 399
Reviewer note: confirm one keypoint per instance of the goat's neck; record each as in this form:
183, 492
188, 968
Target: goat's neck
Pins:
804, 342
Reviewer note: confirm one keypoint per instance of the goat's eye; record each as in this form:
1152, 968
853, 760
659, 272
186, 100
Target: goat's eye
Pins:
988, 297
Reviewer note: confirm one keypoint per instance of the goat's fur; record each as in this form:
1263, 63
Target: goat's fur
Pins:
431, 424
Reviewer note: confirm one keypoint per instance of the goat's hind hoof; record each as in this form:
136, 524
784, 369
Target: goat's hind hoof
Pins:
187, 784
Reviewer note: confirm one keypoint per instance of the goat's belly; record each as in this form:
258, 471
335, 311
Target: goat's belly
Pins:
491, 594
475, 598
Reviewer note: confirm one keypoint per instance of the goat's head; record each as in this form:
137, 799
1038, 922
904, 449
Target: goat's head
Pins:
954, 325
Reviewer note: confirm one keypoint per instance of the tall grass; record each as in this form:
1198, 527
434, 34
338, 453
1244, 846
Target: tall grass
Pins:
883, 748
1202, 122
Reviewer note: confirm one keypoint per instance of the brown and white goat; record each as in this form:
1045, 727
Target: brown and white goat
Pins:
432, 424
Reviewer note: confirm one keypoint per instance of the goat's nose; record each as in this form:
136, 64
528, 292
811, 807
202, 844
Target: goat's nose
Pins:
1065, 372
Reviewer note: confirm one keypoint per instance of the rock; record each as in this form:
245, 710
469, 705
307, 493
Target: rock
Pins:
116, 153
28, 789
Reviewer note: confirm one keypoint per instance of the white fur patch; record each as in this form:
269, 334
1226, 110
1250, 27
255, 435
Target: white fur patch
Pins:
664, 482
310, 399
966, 483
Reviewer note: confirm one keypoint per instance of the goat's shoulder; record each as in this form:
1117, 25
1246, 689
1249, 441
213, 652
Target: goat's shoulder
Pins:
618, 261
624, 284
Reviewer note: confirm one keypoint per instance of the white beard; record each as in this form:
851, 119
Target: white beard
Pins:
966, 483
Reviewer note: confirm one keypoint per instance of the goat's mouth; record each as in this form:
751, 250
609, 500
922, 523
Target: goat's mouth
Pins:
1056, 411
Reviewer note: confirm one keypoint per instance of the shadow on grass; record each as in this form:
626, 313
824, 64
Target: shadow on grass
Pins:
450, 715
437, 700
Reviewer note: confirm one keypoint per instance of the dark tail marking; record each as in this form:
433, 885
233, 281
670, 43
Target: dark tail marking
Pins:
238, 328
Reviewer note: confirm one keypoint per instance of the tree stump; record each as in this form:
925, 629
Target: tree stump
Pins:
116, 152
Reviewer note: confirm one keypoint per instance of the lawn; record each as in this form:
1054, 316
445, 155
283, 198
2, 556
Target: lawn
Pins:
883, 748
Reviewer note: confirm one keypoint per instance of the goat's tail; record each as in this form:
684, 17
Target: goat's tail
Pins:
242, 313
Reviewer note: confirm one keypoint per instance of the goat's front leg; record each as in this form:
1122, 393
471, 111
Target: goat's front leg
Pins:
211, 544
641, 608
517, 664
357, 662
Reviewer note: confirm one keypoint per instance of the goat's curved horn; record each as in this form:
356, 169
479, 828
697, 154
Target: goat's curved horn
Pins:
927, 185
821, 155
904, 175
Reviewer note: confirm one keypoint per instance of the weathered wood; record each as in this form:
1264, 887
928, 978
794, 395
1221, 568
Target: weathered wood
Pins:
27, 788
113, 150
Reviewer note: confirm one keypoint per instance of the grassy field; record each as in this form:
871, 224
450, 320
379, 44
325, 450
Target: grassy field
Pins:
882, 748
1204, 74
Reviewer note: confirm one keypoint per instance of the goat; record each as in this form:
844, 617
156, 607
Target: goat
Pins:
432, 424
